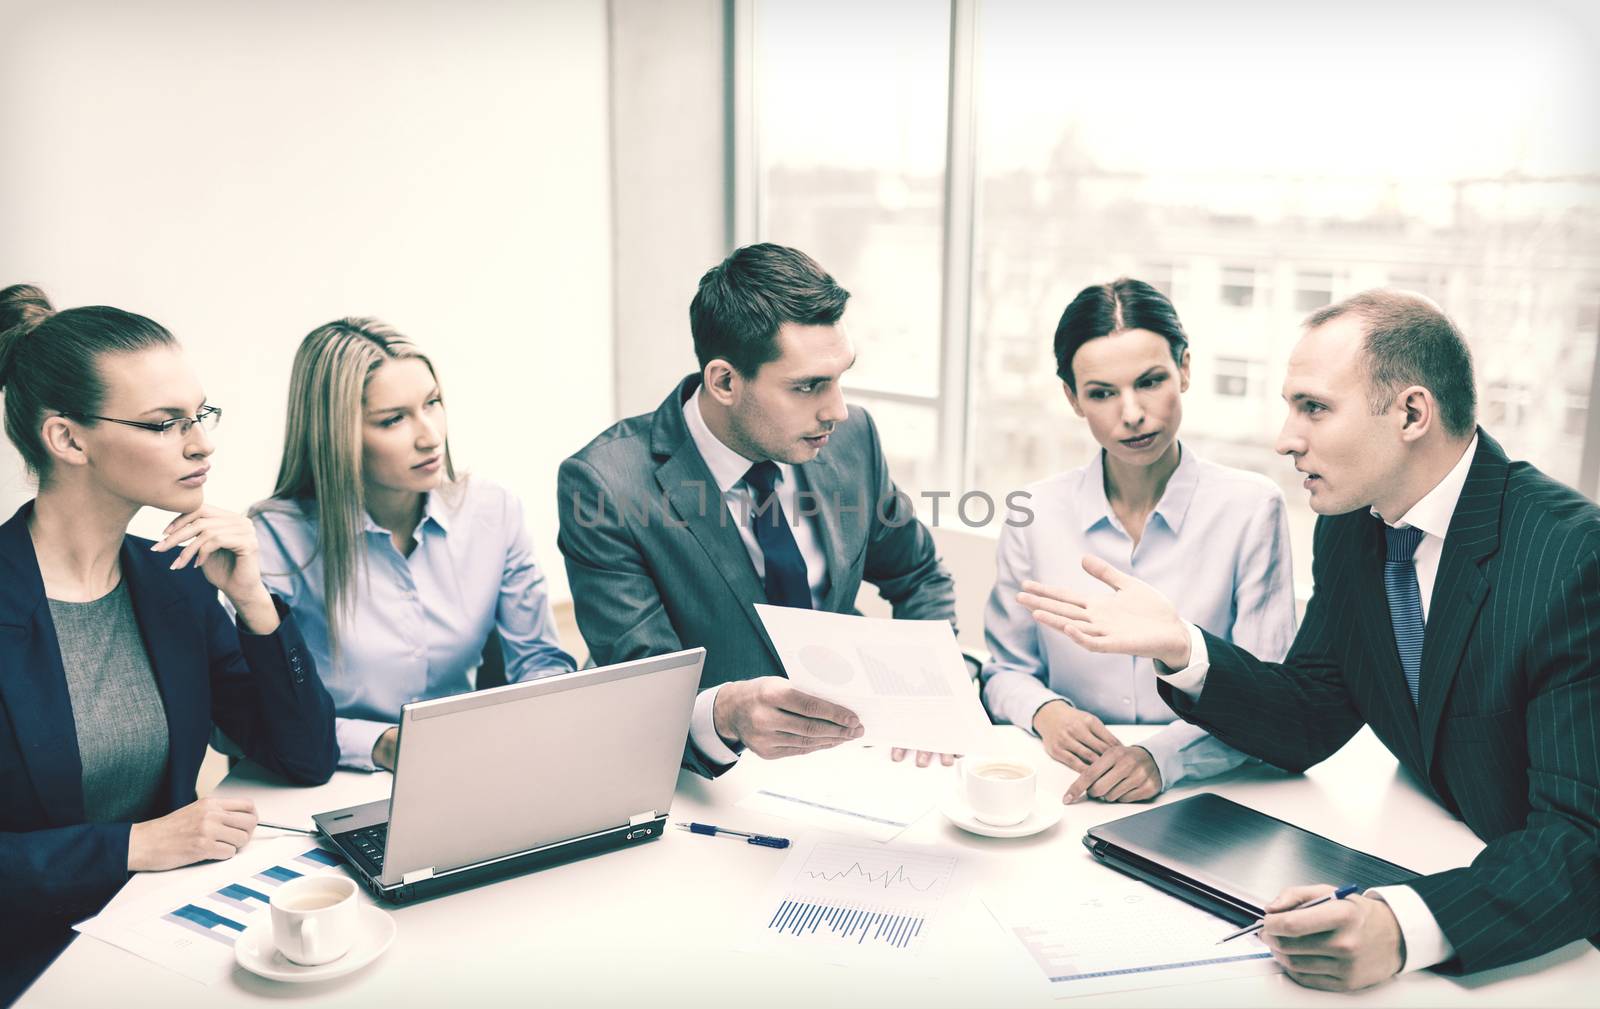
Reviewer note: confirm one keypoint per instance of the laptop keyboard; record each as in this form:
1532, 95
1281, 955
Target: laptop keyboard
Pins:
367, 846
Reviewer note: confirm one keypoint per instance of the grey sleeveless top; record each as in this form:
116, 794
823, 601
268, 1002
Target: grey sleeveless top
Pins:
116, 707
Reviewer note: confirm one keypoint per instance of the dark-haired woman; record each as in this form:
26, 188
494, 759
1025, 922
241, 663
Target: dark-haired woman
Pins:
117, 657
1214, 539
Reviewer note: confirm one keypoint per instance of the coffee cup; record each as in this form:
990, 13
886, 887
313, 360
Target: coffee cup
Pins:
314, 918
999, 791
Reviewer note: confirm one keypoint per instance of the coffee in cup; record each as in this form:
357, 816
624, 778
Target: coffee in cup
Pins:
314, 919
999, 791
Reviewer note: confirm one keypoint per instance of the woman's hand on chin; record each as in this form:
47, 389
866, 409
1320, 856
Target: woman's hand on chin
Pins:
222, 544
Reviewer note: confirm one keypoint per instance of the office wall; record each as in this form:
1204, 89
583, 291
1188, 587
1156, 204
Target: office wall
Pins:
669, 136
242, 172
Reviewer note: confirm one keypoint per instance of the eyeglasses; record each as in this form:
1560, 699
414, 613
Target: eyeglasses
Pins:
207, 418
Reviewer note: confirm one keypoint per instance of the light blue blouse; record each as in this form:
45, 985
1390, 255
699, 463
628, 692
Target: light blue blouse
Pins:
419, 624
1217, 545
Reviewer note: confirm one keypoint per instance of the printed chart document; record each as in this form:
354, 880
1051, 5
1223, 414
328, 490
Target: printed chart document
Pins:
1121, 935
904, 678
850, 790
190, 927
850, 903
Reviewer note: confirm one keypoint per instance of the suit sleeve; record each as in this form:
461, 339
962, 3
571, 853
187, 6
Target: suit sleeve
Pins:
614, 594
267, 697
1292, 714
615, 598
901, 559
63, 873
1532, 890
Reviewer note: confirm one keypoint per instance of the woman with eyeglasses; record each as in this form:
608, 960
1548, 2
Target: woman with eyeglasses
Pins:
115, 656
1215, 539
398, 571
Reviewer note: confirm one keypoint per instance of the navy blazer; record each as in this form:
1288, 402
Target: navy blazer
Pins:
262, 690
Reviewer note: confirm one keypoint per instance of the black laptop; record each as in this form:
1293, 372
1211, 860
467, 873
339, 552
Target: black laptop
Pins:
1230, 859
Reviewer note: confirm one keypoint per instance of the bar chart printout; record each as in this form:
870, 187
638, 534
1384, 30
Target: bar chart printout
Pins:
849, 903
191, 927
1121, 935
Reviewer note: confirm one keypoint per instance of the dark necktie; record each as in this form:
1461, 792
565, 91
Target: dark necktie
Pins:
1405, 600
787, 584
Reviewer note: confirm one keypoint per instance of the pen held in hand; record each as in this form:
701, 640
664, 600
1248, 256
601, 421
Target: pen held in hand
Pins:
284, 826
1339, 894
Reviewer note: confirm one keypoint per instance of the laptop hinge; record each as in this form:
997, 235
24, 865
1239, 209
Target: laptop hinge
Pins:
416, 876
638, 818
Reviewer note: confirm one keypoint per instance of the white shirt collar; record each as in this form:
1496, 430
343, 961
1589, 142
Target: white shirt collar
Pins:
727, 466
1432, 514
1173, 505
434, 506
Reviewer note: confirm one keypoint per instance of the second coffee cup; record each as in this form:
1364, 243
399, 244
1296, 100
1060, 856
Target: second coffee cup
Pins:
999, 791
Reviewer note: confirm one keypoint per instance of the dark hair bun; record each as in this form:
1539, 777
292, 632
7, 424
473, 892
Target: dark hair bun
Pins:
22, 307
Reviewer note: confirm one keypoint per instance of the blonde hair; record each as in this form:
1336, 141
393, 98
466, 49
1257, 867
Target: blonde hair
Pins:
322, 455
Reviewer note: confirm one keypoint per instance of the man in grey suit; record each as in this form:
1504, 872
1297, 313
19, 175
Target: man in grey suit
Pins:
752, 483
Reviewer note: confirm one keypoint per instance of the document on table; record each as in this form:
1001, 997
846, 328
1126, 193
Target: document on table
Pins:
1117, 934
905, 679
850, 790
859, 904
190, 926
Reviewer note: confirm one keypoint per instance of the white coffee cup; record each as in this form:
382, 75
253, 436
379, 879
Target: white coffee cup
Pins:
1000, 791
314, 918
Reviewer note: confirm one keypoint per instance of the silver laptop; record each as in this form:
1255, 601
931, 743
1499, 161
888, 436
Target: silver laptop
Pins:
515, 778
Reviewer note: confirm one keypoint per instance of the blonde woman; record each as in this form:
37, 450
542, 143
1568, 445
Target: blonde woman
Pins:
396, 570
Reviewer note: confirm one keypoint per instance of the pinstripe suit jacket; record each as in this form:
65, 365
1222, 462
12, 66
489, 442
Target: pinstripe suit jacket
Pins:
1507, 729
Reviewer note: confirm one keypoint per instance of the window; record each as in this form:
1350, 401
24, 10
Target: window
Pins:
1505, 405
1238, 286
1158, 276
1312, 291
1248, 222
1232, 377
851, 102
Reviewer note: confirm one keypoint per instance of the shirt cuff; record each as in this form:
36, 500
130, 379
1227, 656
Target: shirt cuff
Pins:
357, 737
1425, 942
1166, 749
703, 730
1191, 679
1016, 697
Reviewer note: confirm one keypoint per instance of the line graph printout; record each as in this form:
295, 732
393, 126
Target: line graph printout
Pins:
1119, 934
190, 926
853, 903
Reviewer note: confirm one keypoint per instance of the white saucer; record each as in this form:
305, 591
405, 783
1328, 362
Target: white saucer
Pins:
1045, 815
255, 952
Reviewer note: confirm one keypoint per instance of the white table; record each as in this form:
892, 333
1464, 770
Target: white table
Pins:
659, 922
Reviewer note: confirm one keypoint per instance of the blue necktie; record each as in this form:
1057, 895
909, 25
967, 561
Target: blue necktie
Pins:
1405, 600
787, 583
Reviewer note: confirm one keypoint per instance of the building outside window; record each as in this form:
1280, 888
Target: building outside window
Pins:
1085, 170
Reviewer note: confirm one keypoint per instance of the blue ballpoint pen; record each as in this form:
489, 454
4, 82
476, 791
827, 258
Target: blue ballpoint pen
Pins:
1339, 894
710, 830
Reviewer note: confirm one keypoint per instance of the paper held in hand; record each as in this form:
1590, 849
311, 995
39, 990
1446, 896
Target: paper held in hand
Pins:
905, 679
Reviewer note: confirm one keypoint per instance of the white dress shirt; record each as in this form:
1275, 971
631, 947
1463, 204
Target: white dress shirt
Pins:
728, 469
1425, 942
1217, 543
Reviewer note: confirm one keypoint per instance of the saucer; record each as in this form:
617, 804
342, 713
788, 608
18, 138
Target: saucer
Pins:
256, 953
1044, 816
